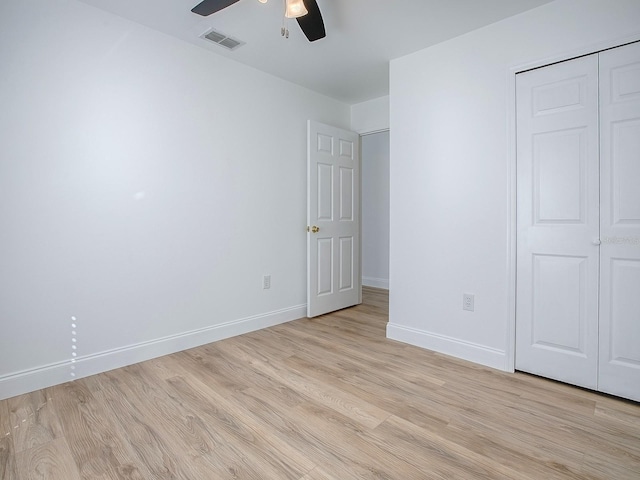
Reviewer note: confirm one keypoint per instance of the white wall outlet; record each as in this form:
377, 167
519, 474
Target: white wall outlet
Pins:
266, 282
467, 301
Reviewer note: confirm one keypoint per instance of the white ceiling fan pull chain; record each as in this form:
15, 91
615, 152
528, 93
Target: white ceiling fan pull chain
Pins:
284, 31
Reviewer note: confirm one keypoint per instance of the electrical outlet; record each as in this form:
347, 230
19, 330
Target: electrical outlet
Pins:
266, 282
467, 301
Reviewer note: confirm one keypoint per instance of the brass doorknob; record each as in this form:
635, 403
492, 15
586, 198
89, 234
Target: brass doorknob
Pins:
315, 229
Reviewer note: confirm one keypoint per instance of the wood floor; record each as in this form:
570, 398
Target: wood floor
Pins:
322, 399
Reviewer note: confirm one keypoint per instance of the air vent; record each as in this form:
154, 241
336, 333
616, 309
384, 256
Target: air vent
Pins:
222, 40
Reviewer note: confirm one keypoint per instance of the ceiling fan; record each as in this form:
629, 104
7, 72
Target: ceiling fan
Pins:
311, 22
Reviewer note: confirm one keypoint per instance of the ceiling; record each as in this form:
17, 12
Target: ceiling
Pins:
352, 63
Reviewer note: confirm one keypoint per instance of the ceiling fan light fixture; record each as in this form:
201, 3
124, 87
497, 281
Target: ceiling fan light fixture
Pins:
295, 9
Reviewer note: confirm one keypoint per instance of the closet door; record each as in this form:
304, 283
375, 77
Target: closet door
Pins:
619, 359
558, 221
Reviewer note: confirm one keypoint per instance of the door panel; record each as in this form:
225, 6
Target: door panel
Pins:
558, 221
624, 171
560, 96
560, 304
333, 250
325, 189
558, 166
347, 149
625, 302
325, 266
619, 362
346, 194
346, 263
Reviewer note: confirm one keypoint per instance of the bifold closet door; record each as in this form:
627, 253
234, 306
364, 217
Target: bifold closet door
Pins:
578, 270
619, 359
558, 222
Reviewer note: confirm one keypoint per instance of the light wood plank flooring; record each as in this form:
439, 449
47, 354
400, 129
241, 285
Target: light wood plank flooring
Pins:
322, 399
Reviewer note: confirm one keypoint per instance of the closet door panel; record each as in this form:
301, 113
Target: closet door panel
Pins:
619, 349
558, 220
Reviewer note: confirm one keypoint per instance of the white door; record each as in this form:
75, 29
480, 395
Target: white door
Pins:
558, 222
333, 216
620, 221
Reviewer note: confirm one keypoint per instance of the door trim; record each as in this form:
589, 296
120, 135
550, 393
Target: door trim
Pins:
511, 266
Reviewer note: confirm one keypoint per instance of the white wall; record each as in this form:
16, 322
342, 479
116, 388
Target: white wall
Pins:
370, 116
375, 210
146, 186
452, 176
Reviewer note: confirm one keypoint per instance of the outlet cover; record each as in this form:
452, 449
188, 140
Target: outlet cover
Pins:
467, 301
266, 282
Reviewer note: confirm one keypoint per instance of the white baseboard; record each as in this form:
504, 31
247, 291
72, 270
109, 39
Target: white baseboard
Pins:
375, 282
472, 352
60, 372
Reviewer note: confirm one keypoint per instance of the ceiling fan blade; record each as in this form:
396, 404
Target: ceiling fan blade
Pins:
311, 24
207, 7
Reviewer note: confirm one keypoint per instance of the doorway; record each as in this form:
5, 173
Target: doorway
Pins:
375, 148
